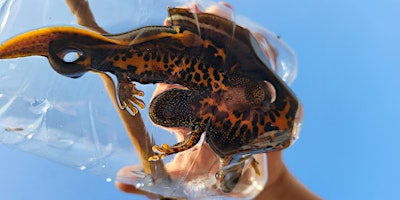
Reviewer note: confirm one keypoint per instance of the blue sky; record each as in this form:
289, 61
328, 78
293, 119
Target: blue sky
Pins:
347, 81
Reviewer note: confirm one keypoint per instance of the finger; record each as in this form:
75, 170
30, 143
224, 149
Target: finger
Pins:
127, 173
222, 9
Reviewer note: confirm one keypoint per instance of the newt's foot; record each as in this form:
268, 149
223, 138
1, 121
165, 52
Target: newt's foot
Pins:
127, 97
164, 150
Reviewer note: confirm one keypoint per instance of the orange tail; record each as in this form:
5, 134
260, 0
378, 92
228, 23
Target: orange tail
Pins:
36, 42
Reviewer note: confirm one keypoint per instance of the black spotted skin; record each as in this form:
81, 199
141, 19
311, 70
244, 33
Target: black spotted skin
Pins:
237, 117
231, 95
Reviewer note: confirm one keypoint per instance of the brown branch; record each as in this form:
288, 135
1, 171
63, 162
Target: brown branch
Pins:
133, 124
84, 16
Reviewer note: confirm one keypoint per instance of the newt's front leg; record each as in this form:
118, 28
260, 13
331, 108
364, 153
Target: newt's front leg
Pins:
126, 95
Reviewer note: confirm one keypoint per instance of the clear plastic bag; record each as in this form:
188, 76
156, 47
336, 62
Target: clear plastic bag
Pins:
74, 122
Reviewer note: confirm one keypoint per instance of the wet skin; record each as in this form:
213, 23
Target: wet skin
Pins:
231, 94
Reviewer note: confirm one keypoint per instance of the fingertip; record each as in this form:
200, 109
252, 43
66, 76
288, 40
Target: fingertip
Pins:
126, 187
133, 190
226, 5
223, 10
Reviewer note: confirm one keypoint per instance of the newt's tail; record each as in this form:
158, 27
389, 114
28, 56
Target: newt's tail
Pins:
55, 43
37, 42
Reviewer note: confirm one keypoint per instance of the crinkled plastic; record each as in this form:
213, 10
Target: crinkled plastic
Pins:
73, 121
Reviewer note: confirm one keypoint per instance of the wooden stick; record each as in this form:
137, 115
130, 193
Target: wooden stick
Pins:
133, 124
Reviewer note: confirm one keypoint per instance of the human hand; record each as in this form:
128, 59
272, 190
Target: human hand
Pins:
281, 183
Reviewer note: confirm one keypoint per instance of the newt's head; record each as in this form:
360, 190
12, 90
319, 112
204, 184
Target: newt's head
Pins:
57, 43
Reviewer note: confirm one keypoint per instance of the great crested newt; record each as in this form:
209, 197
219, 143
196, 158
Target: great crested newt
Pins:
231, 93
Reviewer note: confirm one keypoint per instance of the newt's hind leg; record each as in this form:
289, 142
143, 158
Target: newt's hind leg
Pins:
176, 108
164, 150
